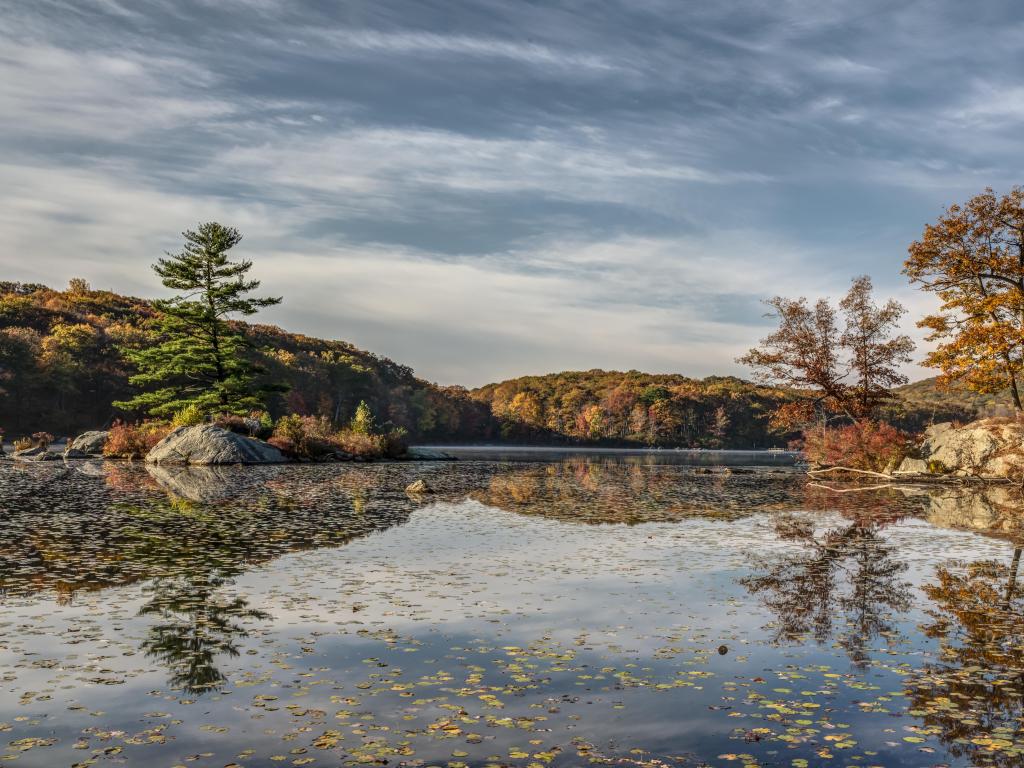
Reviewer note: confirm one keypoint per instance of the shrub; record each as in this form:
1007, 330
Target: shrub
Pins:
42, 439
234, 423
396, 443
304, 437
189, 416
361, 444
870, 445
23, 444
133, 441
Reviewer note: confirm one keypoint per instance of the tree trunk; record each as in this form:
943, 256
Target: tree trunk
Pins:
1014, 391
1011, 585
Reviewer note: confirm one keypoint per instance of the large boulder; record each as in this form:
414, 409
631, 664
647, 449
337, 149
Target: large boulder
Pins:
88, 443
210, 444
990, 448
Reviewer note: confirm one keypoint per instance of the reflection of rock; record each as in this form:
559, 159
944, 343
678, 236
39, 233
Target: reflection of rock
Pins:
88, 443
995, 509
92, 469
987, 448
202, 484
210, 444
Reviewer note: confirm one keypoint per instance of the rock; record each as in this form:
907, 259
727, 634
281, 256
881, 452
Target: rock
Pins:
210, 444
991, 448
420, 486
38, 453
74, 453
419, 453
89, 443
912, 467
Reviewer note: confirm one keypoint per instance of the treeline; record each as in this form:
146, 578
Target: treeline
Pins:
669, 410
634, 408
62, 366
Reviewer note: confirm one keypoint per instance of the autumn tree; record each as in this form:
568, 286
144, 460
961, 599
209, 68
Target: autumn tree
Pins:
972, 259
847, 359
200, 358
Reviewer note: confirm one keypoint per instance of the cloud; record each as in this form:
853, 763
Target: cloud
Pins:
349, 42
502, 187
53, 92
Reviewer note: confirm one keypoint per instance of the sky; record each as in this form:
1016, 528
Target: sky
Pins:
484, 189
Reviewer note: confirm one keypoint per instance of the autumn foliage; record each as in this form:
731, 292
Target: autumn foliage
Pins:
133, 441
869, 445
972, 259
845, 361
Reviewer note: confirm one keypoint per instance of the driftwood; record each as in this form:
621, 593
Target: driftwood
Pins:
912, 479
816, 472
857, 489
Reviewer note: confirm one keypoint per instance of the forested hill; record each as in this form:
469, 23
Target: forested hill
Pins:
634, 408
927, 394
61, 368
669, 409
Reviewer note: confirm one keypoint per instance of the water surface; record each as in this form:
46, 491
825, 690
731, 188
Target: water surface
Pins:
528, 613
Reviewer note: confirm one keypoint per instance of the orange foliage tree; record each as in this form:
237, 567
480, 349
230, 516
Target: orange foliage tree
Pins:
972, 258
846, 360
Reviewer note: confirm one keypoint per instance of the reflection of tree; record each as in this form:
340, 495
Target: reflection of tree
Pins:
67, 531
847, 576
599, 490
194, 625
974, 694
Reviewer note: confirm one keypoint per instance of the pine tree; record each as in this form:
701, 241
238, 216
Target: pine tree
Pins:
200, 358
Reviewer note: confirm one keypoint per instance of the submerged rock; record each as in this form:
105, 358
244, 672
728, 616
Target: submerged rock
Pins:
210, 444
88, 443
420, 486
419, 453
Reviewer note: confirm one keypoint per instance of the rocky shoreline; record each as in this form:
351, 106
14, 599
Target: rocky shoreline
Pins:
203, 445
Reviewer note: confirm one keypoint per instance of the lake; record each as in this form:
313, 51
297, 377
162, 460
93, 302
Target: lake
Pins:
555, 610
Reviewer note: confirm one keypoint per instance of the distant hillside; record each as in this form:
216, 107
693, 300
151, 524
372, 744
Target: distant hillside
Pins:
631, 407
927, 393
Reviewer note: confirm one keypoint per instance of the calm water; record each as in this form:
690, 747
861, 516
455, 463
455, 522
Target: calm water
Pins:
571, 612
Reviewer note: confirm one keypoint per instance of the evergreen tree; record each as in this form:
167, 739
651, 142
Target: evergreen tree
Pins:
200, 358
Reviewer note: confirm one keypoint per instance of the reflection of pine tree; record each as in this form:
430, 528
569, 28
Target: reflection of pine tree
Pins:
974, 695
848, 574
194, 626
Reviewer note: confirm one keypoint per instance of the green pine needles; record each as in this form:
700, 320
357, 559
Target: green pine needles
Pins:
197, 357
